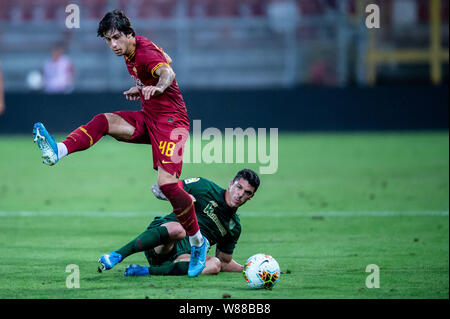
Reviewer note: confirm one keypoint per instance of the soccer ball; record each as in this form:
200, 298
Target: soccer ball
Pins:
261, 271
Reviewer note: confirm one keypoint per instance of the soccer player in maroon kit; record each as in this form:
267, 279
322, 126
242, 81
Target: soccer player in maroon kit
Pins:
162, 122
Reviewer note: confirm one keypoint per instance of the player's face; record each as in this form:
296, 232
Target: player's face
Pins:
238, 193
118, 42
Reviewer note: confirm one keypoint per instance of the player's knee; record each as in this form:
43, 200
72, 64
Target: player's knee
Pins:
109, 117
215, 265
117, 127
112, 122
177, 232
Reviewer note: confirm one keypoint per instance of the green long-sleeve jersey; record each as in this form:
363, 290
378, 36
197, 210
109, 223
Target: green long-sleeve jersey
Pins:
217, 221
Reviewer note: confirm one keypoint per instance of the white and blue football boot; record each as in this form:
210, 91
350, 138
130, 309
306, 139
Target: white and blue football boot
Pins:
136, 270
109, 260
46, 144
198, 258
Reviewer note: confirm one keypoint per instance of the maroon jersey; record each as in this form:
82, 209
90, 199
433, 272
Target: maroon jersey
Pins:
141, 65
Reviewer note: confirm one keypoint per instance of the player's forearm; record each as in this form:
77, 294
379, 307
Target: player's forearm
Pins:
231, 266
166, 77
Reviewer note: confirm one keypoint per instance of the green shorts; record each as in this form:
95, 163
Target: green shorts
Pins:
180, 248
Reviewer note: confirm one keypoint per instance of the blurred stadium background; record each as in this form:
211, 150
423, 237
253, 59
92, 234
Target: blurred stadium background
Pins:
269, 43
295, 65
316, 57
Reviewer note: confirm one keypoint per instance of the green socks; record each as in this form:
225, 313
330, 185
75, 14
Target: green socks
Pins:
148, 239
170, 269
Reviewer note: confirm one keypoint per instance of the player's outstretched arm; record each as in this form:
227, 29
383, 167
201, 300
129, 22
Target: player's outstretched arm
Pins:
166, 77
227, 263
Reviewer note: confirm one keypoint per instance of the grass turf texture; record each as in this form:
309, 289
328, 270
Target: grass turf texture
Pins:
315, 216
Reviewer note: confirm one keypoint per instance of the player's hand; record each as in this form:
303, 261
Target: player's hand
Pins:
149, 91
159, 194
132, 94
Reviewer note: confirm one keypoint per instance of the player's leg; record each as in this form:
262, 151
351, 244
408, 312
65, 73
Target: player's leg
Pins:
168, 140
83, 137
183, 207
162, 237
182, 203
161, 258
176, 268
173, 260
212, 266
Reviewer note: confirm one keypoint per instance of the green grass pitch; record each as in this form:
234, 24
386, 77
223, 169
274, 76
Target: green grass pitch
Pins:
337, 203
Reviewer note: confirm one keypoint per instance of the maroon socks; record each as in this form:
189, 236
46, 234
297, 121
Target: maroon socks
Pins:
87, 135
183, 206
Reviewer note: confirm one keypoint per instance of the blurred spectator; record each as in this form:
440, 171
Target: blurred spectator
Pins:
2, 93
58, 72
320, 73
283, 15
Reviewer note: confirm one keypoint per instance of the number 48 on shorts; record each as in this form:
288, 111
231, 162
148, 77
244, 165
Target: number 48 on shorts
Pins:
166, 148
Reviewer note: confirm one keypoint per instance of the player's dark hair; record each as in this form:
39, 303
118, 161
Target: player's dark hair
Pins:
115, 20
250, 176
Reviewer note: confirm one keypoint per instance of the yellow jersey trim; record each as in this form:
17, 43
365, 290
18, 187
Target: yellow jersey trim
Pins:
158, 66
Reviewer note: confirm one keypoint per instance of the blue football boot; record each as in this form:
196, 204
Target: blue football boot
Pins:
109, 260
136, 270
46, 144
198, 258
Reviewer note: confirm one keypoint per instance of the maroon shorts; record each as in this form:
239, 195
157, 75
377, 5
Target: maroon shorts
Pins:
167, 136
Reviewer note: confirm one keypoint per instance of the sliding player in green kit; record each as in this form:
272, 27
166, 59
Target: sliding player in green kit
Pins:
165, 243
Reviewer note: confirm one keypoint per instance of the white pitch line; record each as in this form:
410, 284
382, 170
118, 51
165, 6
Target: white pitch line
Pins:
241, 214
346, 214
